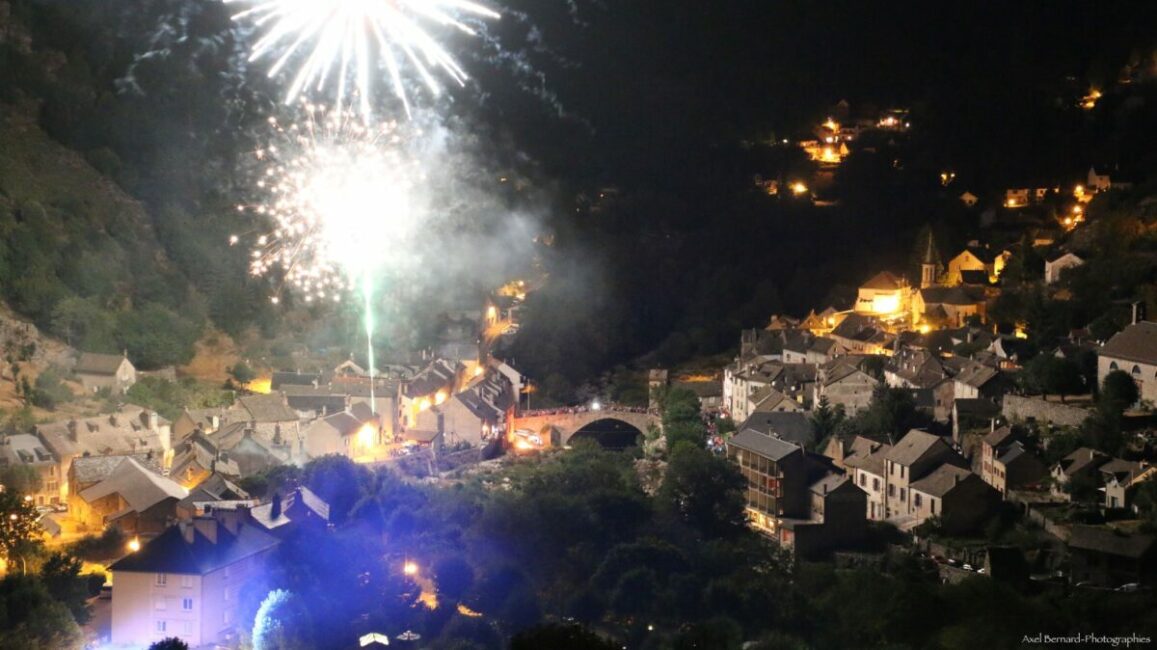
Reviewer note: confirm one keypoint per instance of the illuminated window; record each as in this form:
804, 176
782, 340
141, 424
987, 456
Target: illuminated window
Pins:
162, 579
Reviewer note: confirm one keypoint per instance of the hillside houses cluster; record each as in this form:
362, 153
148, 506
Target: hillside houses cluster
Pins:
983, 443
136, 470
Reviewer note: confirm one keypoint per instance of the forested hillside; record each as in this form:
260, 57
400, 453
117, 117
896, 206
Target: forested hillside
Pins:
114, 214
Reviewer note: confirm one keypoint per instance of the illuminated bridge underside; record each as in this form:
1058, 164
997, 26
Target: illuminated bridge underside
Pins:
589, 422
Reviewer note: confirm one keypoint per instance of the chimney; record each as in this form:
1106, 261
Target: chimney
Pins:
187, 531
1092, 454
215, 420
229, 518
207, 526
72, 427
955, 479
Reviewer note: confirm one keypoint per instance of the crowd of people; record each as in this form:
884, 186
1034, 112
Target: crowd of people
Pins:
586, 408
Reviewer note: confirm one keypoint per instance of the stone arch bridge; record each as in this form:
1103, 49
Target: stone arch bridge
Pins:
568, 422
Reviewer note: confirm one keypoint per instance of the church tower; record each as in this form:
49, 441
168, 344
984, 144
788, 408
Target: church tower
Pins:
929, 261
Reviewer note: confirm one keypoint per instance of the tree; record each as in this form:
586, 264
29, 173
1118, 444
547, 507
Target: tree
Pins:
242, 372
61, 576
892, 411
1118, 392
282, 623
20, 478
18, 529
704, 491
1049, 374
825, 419
453, 577
560, 636
30, 619
339, 481
170, 643
682, 421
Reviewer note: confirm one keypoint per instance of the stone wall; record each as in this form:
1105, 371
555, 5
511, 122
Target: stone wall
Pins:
1024, 408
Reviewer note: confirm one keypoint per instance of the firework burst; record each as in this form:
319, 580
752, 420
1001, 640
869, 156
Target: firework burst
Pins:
339, 198
347, 42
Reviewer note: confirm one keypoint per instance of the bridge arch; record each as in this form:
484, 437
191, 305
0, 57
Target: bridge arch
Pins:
610, 432
560, 425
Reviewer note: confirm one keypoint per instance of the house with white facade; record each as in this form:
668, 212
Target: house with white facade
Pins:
1133, 350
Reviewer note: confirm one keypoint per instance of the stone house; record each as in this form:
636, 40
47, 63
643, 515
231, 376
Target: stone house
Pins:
1132, 350
1056, 265
915, 456
958, 497
26, 450
131, 430
1121, 478
133, 498
867, 469
1006, 462
1081, 464
112, 371
844, 382
1109, 558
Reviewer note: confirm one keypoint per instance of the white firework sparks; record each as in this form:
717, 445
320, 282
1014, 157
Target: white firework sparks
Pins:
355, 39
340, 200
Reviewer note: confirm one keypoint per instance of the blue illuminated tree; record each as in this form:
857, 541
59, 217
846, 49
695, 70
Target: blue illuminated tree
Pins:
281, 623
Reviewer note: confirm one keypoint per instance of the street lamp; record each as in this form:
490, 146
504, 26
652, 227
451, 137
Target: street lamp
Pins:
410, 568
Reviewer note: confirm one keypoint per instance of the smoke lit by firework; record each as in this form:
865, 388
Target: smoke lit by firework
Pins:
339, 198
336, 41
